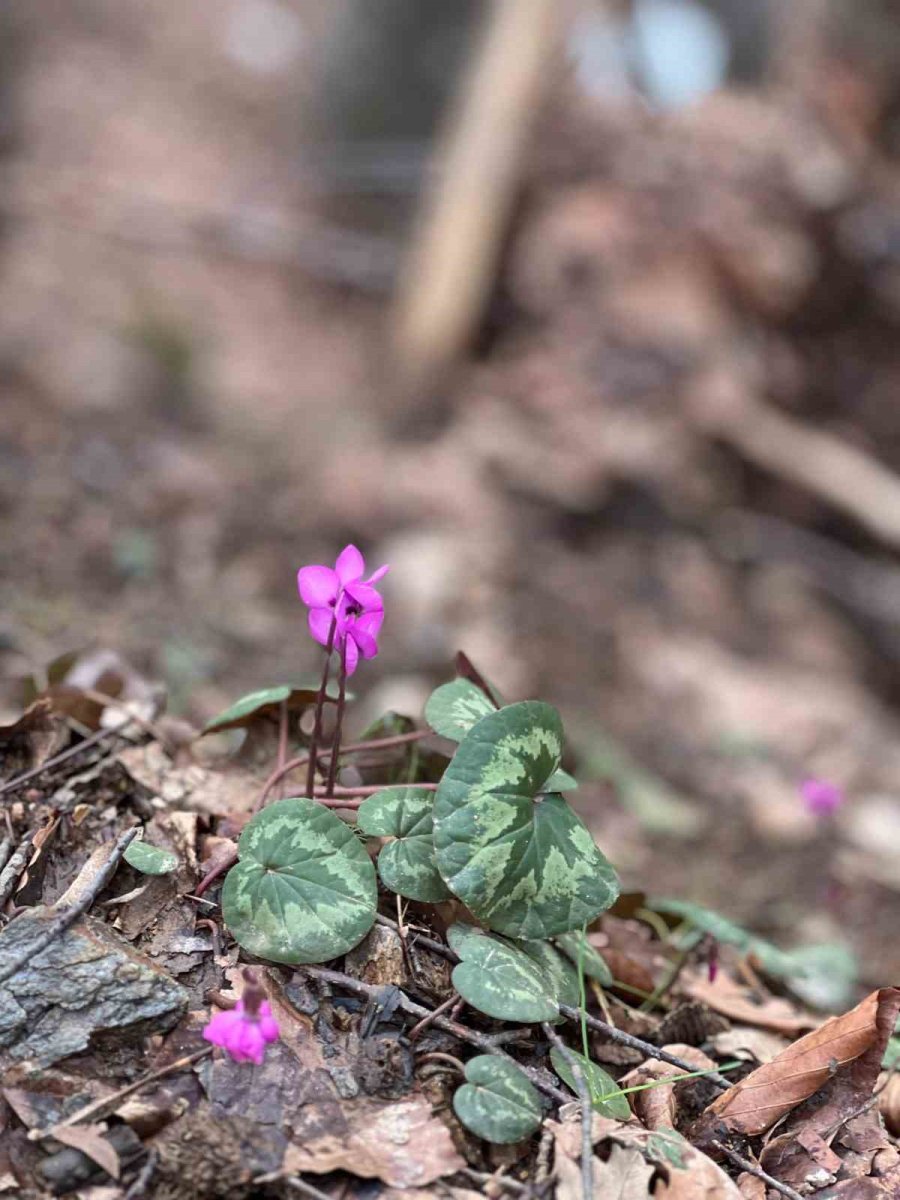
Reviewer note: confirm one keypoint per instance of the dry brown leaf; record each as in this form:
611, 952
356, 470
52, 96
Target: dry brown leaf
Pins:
688, 1173
215, 791
701, 1177
803, 1161
741, 1003
744, 1042
774, 1089
84, 880
625, 1176
90, 1141
36, 736
657, 1108
751, 1187
401, 1144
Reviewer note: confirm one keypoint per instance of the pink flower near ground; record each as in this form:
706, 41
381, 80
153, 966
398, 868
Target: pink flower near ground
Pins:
242, 1034
821, 797
341, 596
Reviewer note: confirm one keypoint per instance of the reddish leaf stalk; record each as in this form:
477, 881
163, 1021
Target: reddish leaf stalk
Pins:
338, 722
320, 706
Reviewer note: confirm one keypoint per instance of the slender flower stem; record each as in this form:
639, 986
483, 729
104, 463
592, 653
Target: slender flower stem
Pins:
338, 722
320, 705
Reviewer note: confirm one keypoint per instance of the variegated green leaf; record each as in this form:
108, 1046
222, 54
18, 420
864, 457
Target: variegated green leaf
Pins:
304, 890
498, 1103
407, 864
521, 861
602, 1088
150, 860
499, 979
559, 971
592, 963
452, 709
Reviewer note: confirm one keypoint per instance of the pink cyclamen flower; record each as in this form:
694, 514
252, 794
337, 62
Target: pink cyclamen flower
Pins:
341, 596
245, 1030
821, 797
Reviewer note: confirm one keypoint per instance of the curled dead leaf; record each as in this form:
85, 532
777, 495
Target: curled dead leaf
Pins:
402, 1144
774, 1089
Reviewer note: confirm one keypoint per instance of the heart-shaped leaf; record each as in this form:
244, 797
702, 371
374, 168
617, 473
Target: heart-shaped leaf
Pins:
407, 864
150, 860
453, 708
602, 1088
498, 1103
562, 976
521, 861
499, 979
265, 703
304, 890
579, 949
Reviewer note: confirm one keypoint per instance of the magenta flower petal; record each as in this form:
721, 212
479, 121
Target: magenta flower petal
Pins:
351, 655
350, 565
366, 644
376, 575
268, 1026
320, 624
221, 1027
318, 586
821, 797
370, 622
366, 597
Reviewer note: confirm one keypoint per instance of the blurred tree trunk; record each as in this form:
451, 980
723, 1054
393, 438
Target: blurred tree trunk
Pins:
388, 68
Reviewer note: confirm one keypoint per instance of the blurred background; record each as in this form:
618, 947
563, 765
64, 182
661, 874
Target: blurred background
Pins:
582, 315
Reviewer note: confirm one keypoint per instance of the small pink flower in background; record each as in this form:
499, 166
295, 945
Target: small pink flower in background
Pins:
245, 1030
821, 797
341, 595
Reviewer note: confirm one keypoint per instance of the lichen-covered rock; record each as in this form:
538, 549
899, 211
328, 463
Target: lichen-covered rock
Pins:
85, 984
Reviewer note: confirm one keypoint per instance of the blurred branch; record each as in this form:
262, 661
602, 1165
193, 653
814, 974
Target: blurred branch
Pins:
842, 475
453, 258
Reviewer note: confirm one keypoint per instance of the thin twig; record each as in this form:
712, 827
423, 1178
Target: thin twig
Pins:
14, 868
420, 939
70, 915
96, 1107
628, 1039
63, 756
140, 1185
306, 1189
464, 1034
320, 708
5, 850
521, 1189
752, 1169
426, 1021
587, 1112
